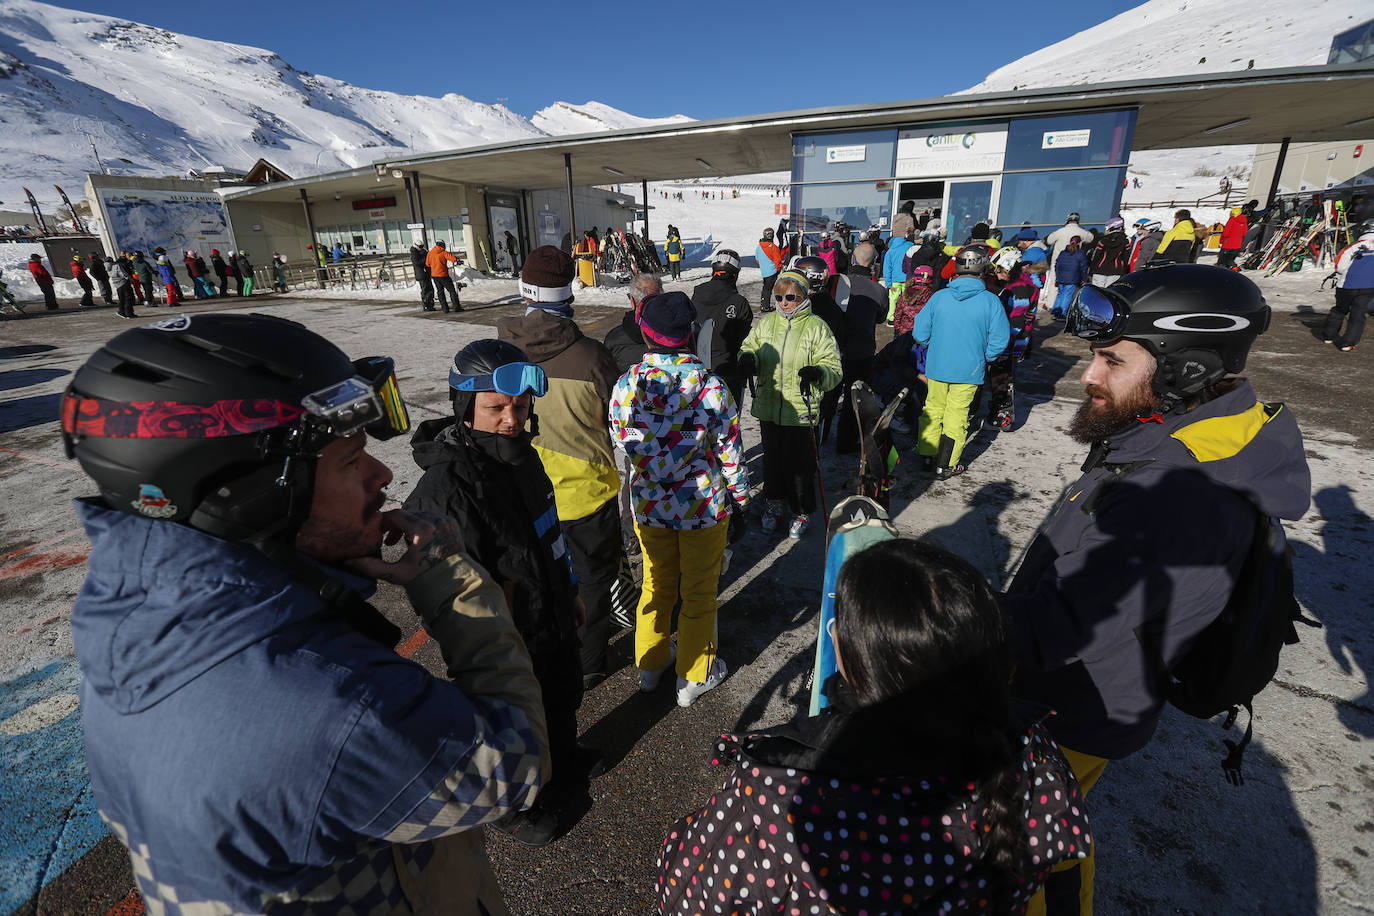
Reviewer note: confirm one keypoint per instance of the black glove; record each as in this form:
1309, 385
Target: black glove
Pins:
810, 375
739, 522
746, 364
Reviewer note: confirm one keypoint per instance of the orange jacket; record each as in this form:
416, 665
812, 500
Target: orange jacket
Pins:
438, 260
773, 253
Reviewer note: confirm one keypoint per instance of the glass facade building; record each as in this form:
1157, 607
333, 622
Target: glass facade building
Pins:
1033, 170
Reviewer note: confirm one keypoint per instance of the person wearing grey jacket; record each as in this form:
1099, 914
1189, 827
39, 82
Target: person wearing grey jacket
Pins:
1147, 546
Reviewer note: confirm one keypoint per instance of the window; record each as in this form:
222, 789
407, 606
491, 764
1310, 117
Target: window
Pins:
1353, 45
1046, 198
1070, 141
859, 203
852, 154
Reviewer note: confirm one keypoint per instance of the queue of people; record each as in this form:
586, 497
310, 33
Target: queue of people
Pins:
326, 767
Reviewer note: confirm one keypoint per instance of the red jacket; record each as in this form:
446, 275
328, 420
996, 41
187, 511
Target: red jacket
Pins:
1233, 235
78, 270
40, 273
773, 253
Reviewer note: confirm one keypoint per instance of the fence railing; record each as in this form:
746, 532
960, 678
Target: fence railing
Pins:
373, 272
1220, 198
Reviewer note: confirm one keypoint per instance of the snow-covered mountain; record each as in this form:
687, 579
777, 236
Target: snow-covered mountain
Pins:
566, 118
159, 103
1180, 37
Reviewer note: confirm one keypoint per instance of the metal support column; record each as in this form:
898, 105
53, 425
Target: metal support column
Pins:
644, 189
420, 204
572, 211
314, 242
1278, 170
410, 198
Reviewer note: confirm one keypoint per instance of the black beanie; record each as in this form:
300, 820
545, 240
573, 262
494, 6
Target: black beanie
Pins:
666, 320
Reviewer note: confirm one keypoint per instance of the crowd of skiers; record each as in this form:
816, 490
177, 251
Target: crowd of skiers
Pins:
132, 279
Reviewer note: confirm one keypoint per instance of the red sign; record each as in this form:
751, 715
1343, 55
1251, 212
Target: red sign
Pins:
374, 203
1359, 151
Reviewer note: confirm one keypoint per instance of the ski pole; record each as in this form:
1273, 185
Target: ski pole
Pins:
815, 449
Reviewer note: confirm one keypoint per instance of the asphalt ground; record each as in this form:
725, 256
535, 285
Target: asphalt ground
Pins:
1173, 836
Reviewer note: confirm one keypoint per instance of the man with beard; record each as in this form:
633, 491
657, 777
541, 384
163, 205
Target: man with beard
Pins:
253, 737
1146, 547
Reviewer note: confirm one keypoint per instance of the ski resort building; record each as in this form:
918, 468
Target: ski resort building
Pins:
1013, 157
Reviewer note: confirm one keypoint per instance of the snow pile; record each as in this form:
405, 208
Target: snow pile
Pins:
14, 261
158, 103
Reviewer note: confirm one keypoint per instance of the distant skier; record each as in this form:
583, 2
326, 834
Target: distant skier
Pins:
122, 279
513, 250
44, 281
438, 261
422, 277
1071, 272
279, 272
99, 275
196, 271
1057, 241
673, 248
245, 272
144, 273
221, 271
169, 280
770, 262
1111, 256
83, 280
1232, 238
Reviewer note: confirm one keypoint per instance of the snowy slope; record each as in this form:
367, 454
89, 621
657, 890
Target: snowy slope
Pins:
1186, 37
567, 118
159, 103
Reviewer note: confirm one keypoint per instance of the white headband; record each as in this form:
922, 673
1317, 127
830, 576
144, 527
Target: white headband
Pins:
545, 293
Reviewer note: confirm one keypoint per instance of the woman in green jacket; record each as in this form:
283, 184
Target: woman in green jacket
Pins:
796, 360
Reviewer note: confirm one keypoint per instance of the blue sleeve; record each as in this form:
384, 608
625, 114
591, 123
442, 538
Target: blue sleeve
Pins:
999, 328
920, 329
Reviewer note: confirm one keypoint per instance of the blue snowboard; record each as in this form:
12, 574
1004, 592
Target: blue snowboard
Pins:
854, 524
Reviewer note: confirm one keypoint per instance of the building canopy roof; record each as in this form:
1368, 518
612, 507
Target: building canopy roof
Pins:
1252, 106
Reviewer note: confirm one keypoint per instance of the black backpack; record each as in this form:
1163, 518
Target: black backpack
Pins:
1237, 655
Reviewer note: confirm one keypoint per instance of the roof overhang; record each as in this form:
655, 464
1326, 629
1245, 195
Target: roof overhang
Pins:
1253, 106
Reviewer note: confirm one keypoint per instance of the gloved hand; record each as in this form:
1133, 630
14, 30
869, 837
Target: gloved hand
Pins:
746, 364
739, 522
810, 375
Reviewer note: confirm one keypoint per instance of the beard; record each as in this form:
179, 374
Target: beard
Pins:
1095, 422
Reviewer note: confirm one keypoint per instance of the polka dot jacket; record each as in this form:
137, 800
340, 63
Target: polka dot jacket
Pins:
784, 840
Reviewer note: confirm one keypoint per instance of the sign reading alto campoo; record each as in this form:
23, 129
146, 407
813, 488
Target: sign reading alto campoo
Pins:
140, 219
951, 149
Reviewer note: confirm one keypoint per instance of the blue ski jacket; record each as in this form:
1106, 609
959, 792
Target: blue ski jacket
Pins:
892, 261
966, 328
251, 749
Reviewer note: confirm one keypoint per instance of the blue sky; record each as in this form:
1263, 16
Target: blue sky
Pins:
651, 58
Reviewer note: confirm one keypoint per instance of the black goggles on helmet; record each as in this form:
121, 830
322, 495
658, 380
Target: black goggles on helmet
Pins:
370, 400
1096, 314
512, 380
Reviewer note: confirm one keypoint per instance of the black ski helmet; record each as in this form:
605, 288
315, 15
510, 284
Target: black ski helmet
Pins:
814, 269
727, 259
203, 420
1197, 320
972, 260
481, 357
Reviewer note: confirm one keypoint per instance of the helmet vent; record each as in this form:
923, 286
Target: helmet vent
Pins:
140, 372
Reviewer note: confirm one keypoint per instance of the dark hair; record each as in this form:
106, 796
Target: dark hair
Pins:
913, 620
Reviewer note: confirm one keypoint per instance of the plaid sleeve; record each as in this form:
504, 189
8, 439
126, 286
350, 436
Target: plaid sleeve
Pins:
424, 760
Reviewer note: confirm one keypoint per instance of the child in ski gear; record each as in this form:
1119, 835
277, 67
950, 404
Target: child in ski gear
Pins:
796, 359
44, 281
966, 328
893, 278
674, 250
481, 470
169, 280
964, 755
1354, 294
920, 286
1070, 272
1203, 459
573, 441
679, 425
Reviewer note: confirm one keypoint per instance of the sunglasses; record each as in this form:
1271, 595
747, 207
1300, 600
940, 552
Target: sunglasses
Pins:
787, 297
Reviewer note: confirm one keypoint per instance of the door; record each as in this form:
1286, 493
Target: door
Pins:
503, 216
969, 201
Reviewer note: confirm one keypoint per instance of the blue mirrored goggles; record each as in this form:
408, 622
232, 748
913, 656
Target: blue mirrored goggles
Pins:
1096, 314
512, 379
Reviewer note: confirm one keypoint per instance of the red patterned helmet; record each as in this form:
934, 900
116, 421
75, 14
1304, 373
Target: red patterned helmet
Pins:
214, 420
